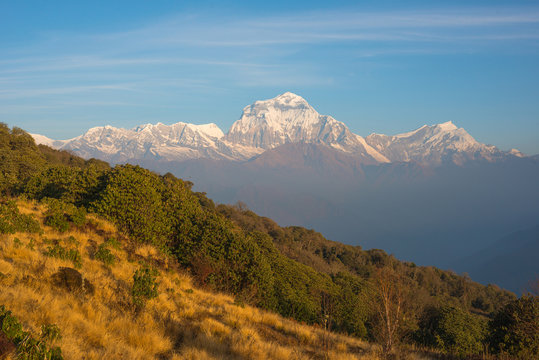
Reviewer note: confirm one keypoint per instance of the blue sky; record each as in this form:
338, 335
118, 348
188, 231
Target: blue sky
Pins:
380, 66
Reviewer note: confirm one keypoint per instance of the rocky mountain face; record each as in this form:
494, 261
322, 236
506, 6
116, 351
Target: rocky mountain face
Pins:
265, 125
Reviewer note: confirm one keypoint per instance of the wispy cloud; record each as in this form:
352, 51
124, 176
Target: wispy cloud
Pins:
206, 53
25, 93
330, 26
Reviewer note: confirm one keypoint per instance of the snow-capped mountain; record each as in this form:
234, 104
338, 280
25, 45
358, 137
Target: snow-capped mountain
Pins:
288, 118
268, 124
180, 141
435, 144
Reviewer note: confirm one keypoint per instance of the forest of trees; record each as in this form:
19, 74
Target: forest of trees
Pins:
293, 271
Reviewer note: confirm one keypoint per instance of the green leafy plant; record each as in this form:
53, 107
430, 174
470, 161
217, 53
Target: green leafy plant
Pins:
452, 330
514, 330
105, 255
28, 347
113, 243
62, 216
50, 333
12, 221
60, 252
31, 244
144, 286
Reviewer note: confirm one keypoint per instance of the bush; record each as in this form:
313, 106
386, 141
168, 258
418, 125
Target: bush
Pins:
105, 255
514, 330
12, 221
144, 286
19, 159
452, 330
132, 199
114, 243
62, 216
29, 348
59, 252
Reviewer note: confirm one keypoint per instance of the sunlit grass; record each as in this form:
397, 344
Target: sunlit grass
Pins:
183, 322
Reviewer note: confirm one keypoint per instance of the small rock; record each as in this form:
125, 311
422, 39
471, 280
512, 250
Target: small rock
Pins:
72, 280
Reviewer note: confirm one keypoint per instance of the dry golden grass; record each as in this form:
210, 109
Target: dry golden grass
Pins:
183, 322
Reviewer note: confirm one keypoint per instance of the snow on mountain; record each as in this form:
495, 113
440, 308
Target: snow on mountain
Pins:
288, 118
41, 139
433, 145
268, 124
517, 153
179, 141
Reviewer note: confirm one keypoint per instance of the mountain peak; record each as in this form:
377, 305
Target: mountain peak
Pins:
516, 152
283, 119
289, 96
283, 102
433, 145
447, 126
288, 118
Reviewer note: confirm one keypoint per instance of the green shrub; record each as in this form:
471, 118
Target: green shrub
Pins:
113, 243
144, 286
31, 244
10, 325
452, 330
62, 216
50, 333
12, 221
132, 199
104, 255
20, 159
60, 252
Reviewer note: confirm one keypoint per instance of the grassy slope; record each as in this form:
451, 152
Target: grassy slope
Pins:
182, 322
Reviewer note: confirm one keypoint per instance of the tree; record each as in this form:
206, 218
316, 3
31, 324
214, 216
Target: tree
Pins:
452, 330
132, 198
515, 328
388, 304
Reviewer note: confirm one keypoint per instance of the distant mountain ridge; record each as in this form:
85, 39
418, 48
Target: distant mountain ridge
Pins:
268, 124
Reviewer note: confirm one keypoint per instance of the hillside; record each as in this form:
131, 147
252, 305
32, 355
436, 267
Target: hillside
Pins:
429, 284
182, 322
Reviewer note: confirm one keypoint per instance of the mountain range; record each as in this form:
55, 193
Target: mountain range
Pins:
268, 124
432, 195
